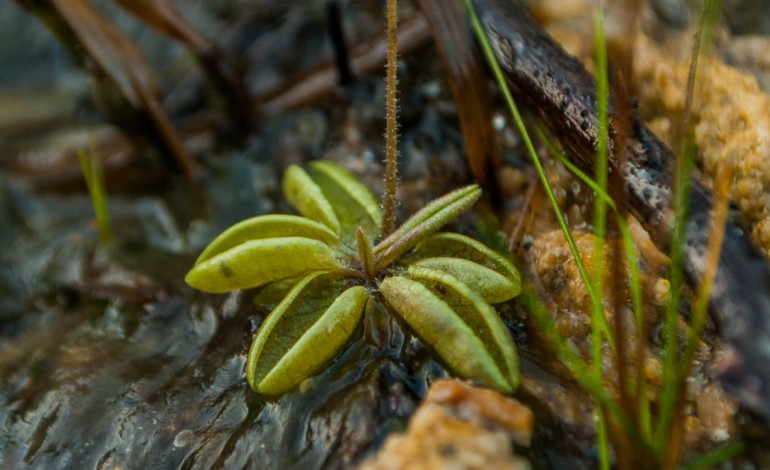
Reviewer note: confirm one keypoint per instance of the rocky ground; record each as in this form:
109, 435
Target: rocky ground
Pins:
107, 359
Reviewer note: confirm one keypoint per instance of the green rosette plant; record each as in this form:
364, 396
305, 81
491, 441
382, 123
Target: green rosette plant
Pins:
441, 285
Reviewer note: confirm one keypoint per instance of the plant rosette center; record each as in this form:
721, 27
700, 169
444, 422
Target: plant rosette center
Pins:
441, 285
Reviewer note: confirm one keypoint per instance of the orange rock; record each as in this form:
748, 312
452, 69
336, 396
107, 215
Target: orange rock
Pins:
731, 128
459, 426
484, 405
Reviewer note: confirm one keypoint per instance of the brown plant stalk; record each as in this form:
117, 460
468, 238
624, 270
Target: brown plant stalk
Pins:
391, 130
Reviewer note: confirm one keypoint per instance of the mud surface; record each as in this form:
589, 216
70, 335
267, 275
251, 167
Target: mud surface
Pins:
107, 359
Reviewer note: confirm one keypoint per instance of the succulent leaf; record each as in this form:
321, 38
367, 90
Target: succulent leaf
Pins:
268, 226
257, 262
305, 195
476, 313
426, 221
307, 329
365, 255
307, 265
491, 285
445, 244
352, 202
431, 311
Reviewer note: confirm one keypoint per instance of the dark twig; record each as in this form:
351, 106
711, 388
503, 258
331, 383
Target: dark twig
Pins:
337, 34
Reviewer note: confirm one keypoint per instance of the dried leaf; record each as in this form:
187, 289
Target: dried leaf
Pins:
466, 75
167, 19
115, 53
119, 64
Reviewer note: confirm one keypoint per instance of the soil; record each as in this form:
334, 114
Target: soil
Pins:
107, 359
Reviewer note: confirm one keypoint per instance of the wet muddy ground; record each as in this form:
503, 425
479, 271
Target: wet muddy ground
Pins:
107, 359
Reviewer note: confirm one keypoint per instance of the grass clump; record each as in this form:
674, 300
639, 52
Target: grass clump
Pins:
649, 434
94, 176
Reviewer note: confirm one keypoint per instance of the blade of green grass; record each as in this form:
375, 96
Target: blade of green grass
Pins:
654, 438
715, 457
634, 276
600, 325
600, 220
514, 110
92, 173
673, 382
576, 364
676, 278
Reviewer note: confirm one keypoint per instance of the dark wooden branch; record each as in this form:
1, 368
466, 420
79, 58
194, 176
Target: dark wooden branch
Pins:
560, 90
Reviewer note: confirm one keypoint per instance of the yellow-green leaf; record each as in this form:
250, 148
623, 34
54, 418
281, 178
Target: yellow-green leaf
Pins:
426, 221
258, 262
477, 314
305, 195
457, 324
352, 202
454, 245
268, 226
491, 285
306, 330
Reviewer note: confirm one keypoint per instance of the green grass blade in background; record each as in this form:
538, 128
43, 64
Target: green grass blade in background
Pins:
600, 220
92, 172
500, 80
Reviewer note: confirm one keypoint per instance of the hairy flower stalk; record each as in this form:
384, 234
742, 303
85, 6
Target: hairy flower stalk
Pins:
391, 125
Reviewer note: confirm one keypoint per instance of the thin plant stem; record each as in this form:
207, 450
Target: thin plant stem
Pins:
92, 173
720, 210
576, 364
685, 163
514, 110
391, 125
600, 219
634, 275
713, 458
